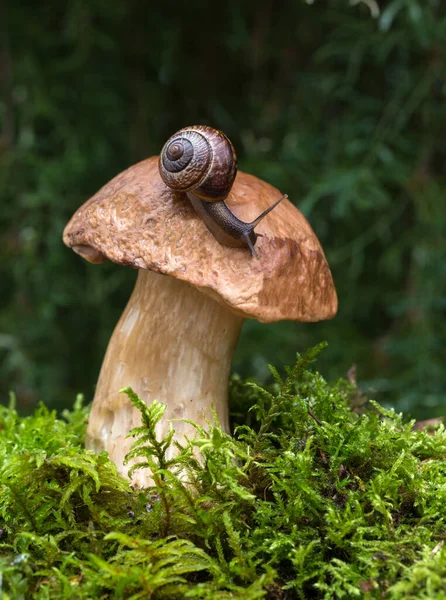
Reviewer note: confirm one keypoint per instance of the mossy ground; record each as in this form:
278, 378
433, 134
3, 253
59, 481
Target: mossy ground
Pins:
315, 498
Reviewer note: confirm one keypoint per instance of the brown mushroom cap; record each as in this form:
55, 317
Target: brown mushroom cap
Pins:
136, 220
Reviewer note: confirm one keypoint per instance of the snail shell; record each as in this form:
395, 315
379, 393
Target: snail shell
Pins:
199, 159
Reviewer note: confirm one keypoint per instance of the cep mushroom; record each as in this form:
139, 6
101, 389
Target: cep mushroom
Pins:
177, 335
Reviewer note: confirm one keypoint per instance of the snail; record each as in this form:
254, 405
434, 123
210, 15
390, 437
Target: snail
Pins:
201, 162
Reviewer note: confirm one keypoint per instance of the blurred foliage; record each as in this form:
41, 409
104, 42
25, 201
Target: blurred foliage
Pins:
339, 106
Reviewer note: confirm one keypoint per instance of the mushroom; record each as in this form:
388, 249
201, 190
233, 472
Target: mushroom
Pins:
177, 335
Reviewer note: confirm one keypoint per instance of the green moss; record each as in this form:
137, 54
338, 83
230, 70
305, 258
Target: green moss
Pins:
313, 499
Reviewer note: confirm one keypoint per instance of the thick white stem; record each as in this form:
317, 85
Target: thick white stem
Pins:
173, 344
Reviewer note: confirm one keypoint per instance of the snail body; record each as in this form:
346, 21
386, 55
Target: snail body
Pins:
201, 161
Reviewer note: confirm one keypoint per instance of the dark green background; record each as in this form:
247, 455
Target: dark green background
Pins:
343, 110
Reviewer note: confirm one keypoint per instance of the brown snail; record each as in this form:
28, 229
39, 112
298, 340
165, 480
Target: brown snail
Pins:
201, 162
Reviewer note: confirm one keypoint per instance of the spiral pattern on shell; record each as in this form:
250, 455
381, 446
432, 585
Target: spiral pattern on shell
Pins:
200, 160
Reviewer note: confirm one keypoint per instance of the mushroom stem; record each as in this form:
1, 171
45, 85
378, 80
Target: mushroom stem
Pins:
174, 344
